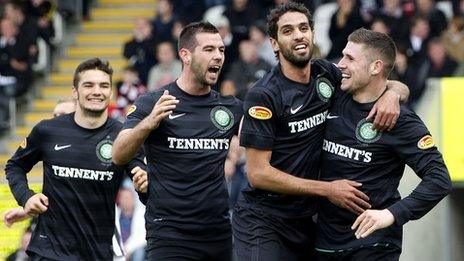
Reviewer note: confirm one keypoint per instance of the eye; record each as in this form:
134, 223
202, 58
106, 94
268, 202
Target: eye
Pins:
286, 31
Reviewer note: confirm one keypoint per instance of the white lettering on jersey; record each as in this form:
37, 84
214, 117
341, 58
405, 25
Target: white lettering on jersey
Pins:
347, 152
308, 123
76, 173
198, 144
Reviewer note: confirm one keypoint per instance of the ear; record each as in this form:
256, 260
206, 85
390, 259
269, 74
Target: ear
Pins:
74, 93
376, 67
274, 44
185, 56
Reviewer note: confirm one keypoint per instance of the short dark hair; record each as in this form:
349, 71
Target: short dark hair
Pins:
276, 13
92, 64
187, 38
381, 44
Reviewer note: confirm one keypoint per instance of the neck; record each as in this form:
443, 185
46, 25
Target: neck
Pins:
295, 73
90, 120
190, 84
371, 91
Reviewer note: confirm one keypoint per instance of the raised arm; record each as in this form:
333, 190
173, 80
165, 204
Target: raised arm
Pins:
130, 140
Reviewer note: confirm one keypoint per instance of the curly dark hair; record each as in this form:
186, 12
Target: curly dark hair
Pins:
276, 13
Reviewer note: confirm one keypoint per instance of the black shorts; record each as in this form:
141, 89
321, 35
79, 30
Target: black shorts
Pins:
384, 252
260, 236
179, 250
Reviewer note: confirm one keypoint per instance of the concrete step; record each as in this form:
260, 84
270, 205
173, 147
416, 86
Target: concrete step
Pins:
122, 13
80, 52
56, 92
126, 2
125, 26
32, 118
69, 66
102, 39
44, 105
20, 132
64, 79
4, 158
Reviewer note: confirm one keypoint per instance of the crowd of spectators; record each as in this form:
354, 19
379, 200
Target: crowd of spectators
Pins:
27, 36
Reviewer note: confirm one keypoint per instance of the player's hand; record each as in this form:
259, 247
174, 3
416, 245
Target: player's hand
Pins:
36, 204
140, 179
372, 220
163, 108
344, 193
14, 215
386, 111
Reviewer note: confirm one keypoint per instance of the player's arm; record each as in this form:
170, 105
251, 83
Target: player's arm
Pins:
130, 140
262, 175
27, 155
14, 215
387, 108
416, 147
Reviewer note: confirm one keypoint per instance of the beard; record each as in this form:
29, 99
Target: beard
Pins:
200, 74
297, 60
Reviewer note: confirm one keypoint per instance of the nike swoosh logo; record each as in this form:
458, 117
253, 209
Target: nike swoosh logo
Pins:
331, 116
172, 117
293, 111
57, 147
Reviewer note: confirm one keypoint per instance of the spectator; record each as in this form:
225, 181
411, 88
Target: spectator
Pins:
436, 18
245, 71
164, 21
129, 89
258, 35
392, 14
42, 12
379, 25
28, 29
241, 14
343, 22
440, 63
140, 50
453, 39
189, 10
231, 43
131, 223
417, 40
407, 74
167, 69
14, 57
20, 253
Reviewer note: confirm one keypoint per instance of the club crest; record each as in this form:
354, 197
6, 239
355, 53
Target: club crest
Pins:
365, 133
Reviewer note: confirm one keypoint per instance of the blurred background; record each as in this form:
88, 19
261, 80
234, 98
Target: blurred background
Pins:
42, 42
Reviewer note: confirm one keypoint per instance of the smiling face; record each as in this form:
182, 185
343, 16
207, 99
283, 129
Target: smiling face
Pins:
294, 39
93, 92
207, 58
355, 67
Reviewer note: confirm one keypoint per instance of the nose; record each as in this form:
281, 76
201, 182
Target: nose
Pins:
97, 90
218, 55
297, 35
341, 64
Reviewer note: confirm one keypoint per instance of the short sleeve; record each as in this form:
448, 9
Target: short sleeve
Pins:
258, 128
141, 108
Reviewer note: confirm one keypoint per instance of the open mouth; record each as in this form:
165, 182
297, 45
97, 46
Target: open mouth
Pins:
300, 47
214, 69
